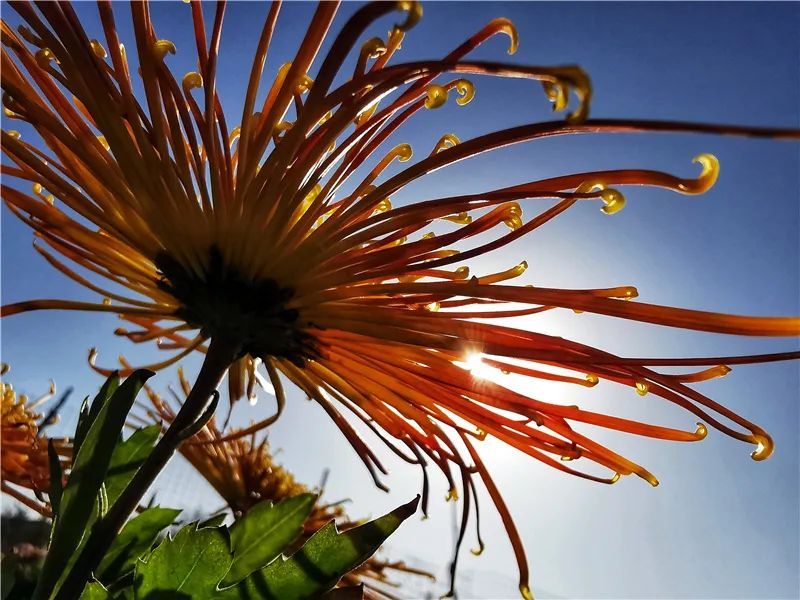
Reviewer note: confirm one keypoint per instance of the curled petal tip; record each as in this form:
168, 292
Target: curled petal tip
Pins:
701, 432
162, 47
764, 447
413, 10
43, 57
403, 152
513, 215
525, 591
437, 96
630, 292
374, 47
504, 25
191, 80
707, 178
466, 91
613, 201
448, 140
98, 49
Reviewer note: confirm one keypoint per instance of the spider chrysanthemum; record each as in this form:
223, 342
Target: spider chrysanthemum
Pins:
260, 238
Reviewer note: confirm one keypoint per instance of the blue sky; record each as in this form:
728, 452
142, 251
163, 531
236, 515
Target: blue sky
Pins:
720, 525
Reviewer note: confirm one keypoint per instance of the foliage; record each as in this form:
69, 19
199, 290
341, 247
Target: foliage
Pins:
203, 559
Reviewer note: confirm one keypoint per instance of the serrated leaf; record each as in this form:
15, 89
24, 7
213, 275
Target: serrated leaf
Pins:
95, 591
188, 566
213, 521
89, 468
136, 538
267, 528
126, 459
321, 562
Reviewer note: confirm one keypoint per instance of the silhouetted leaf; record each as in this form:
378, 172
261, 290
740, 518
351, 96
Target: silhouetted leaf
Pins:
188, 566
136, 538
56, 475
267, 528
321, 562
89, 468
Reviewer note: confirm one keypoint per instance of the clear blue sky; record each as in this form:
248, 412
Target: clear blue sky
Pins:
720, 525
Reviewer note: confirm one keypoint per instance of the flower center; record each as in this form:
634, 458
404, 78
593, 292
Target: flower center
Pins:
224, 303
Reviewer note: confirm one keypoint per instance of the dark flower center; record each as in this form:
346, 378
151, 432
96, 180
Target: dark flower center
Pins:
223, 303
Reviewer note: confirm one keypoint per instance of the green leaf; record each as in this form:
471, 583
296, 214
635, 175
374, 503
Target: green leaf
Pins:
258, 537
136, 538
213, 521
189, 566
88, 414
55, 478
82, 425
95, 591
89, 467
107, 391
8, 575
126, 459
321, 562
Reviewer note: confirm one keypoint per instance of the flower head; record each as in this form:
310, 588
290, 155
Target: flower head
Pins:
264, 235
24, 460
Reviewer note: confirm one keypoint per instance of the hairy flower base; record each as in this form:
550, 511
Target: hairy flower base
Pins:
263, 235
224, 302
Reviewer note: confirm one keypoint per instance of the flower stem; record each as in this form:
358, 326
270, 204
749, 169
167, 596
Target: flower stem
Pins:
221, 353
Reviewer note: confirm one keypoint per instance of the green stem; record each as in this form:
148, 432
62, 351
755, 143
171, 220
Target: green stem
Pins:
221, 354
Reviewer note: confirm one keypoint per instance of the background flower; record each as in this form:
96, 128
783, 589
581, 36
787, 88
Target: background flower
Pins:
24, 458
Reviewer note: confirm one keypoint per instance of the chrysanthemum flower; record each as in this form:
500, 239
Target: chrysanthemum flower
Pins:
244, 472
24, 462
258, 239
